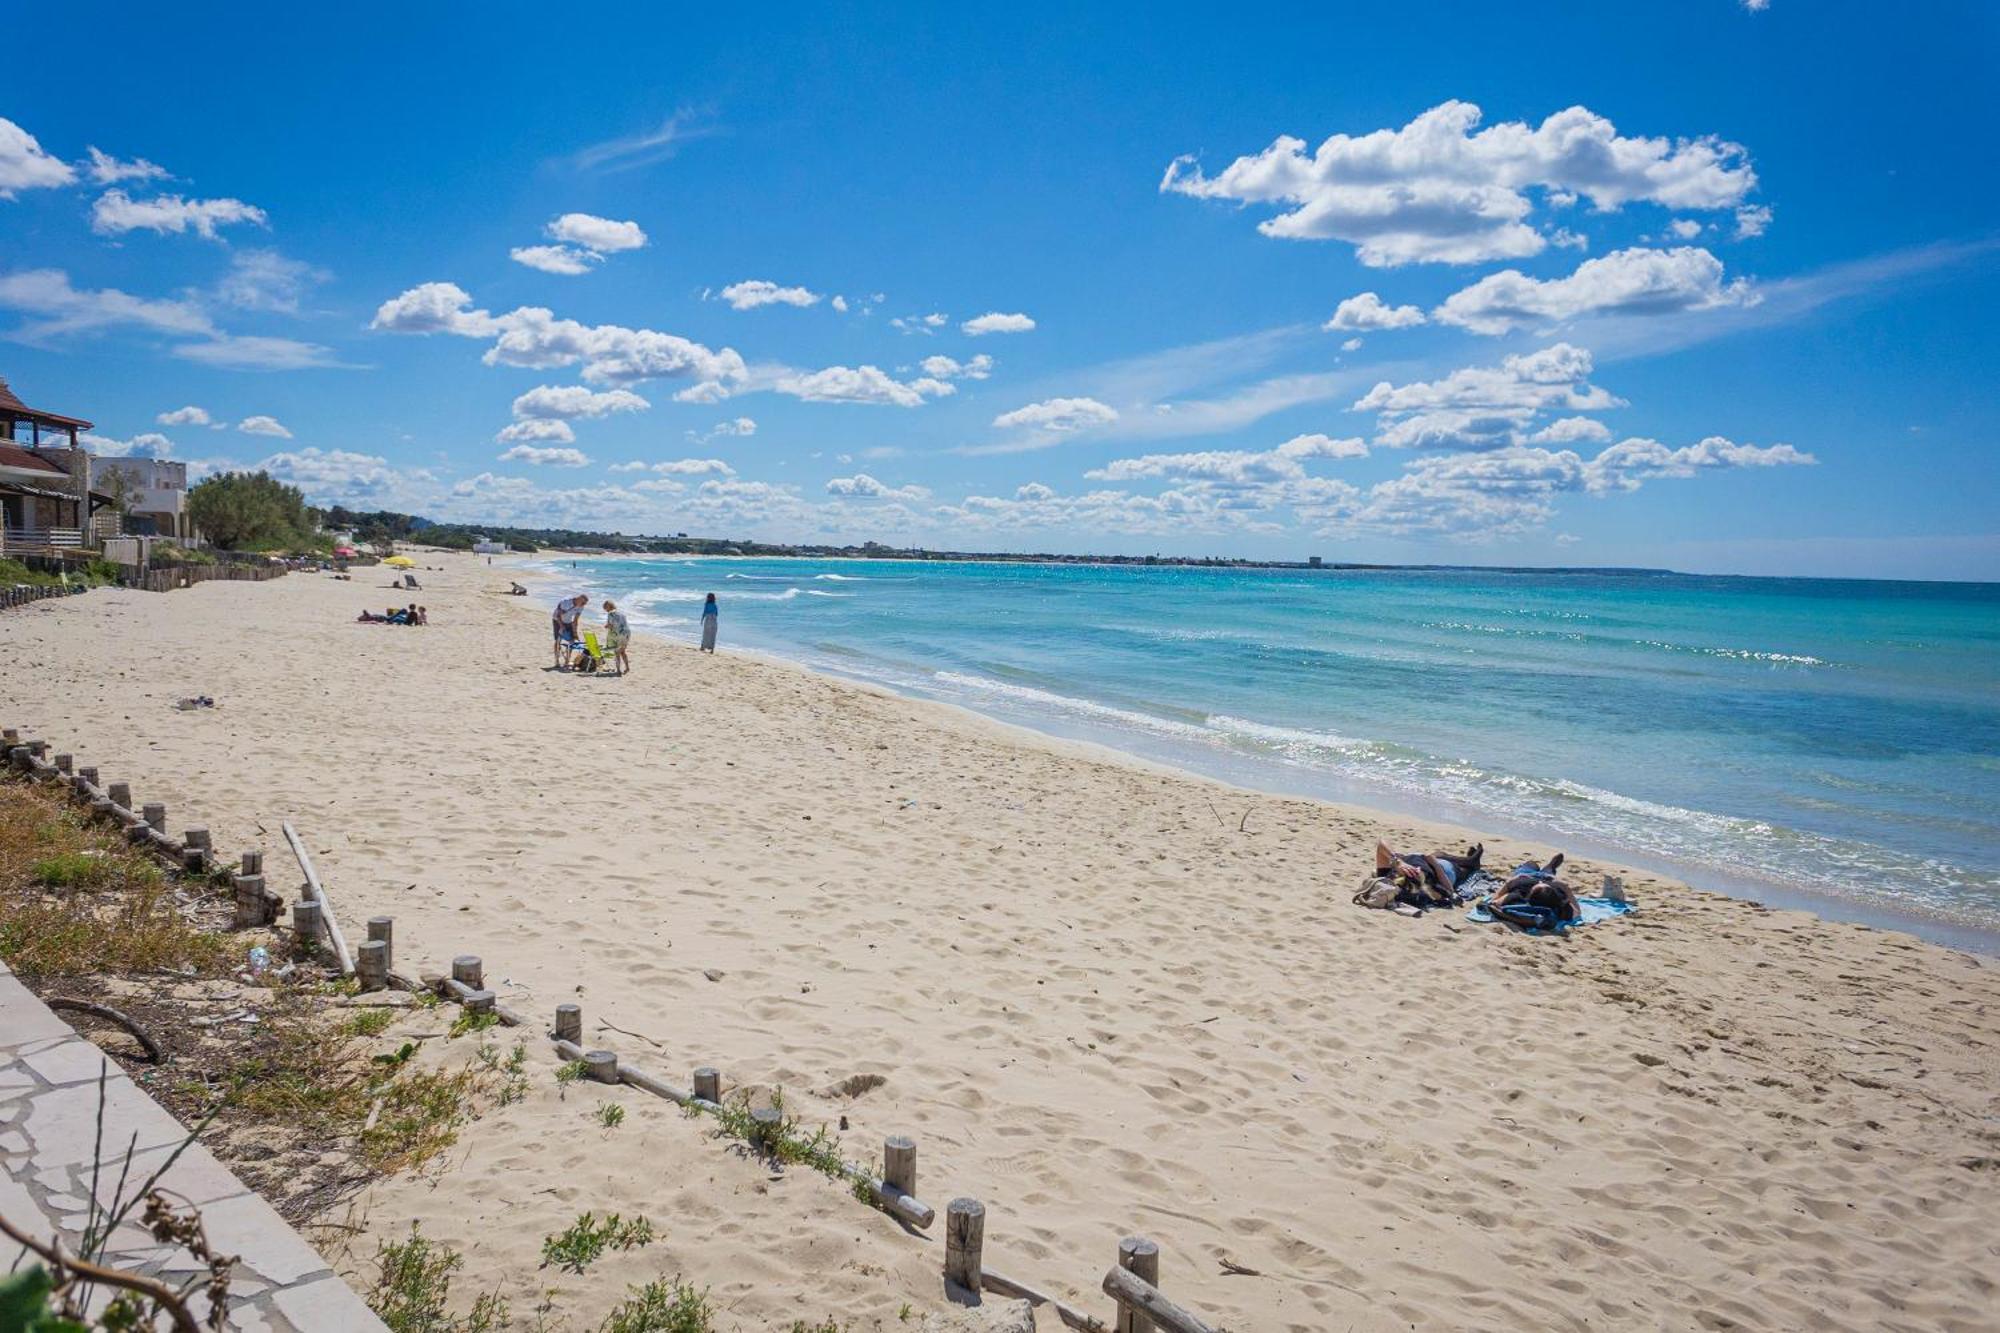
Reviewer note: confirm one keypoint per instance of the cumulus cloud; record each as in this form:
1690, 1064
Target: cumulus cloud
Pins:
947, 368
541, 457
116, 213
564, 259
1351, 345
186, 416
679, 467
537, 428
1059, 414
25, 166
863, 486
739, 427
1751, 221
1441, 190
1624, 282
924, 324
261, 425
152, 444
757, 292
105, 169
582, 240
532, 336
1233, 467
333, 474
859, 384
1367, 311
1685, 228
570, 402
994, 321
603, 235
1626, 464
1572, 430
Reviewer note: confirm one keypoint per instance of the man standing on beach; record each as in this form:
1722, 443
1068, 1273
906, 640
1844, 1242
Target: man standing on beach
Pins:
568, 611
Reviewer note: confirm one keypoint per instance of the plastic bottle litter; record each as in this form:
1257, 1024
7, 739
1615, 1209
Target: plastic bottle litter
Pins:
260, 959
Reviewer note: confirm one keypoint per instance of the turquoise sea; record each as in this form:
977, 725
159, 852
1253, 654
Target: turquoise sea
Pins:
1832, 744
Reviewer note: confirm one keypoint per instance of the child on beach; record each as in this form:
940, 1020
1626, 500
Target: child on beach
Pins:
708, 619
617, 633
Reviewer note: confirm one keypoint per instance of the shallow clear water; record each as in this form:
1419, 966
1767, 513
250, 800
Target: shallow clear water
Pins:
1804, 735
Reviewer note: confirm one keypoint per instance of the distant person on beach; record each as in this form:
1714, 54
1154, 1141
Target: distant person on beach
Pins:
708, 620
567, 612
617, 633
1536, 885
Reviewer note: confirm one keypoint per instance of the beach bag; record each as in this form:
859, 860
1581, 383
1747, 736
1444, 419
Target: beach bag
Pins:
1376, 892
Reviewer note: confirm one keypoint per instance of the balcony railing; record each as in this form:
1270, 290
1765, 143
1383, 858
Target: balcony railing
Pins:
43, 537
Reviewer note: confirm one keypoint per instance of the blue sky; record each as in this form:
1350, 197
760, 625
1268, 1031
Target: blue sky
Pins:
1707, 287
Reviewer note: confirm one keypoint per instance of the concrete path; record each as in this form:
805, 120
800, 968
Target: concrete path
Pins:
48, 1128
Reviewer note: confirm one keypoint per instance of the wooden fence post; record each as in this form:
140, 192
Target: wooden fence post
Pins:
381, 930
601, 1065
1141, 1258
569, 1022
708, 1084
371, 965
120, 794
899, 1163
466, 969
964, 1241
156, 816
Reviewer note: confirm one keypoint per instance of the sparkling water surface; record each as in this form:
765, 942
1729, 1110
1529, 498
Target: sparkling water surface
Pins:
1828, 743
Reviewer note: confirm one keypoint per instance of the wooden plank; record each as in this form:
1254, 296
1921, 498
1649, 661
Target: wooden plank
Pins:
327, 919
1135, 1292
1002, 1285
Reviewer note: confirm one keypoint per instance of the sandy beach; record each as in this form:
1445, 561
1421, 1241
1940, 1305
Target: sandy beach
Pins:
1105, 998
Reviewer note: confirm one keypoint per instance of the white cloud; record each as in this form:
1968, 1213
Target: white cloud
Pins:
1233, 467
924, 324
1059, 414
263, 426
840, 304
1685, 228
1572, 430
563, 259
116, 213
334, 474
186, 416
267, 280
1351, 345
537, 428
23, 164
105, 169
680, 467
757, 292
1485, 407
863, 486
540, 457
1436, 191
708, 391
602, 235
858, 384
1752, 221
946, 368
640, 150
1756, 6
248, 352
1624, 282
62, 308
152, 444
739, 427
1626, 464
533, 337
995, 322
570, 402
1367, 311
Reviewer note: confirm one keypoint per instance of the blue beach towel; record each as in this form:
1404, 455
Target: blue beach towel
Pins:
1541, 921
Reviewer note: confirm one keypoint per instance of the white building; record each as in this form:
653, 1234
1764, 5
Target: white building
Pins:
154, 492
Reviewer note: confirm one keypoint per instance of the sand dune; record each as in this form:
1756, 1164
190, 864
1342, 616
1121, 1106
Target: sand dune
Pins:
1099, 1007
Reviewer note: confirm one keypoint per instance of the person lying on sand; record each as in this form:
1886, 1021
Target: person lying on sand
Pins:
1435, 876
1536, 885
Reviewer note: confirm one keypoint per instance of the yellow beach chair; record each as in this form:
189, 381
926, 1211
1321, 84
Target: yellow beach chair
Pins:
592, 651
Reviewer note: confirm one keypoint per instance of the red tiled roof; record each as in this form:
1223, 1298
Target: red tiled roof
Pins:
15, 456
10, 405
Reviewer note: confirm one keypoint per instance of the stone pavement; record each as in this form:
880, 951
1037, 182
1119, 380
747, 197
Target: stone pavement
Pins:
48, 1128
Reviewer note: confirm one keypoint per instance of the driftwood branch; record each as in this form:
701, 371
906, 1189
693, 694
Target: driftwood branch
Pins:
62, 1266
318, 895
110, 1015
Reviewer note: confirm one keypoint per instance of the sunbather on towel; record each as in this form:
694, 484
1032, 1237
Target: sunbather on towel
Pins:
1536, 885
1433, 876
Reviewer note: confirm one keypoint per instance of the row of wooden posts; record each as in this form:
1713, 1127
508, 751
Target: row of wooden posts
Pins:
1132, 1282
20, 594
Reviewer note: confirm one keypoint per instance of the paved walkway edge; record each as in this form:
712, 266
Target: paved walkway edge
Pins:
48, 1128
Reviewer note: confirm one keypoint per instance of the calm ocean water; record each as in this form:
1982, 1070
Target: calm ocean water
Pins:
1790, 738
